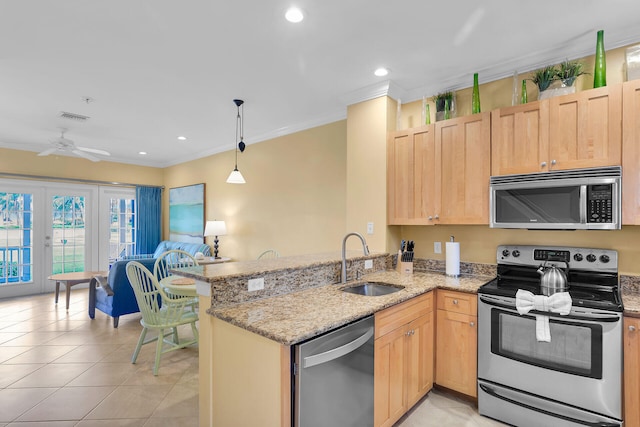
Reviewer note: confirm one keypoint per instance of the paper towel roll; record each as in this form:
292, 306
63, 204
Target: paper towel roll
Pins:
453, 259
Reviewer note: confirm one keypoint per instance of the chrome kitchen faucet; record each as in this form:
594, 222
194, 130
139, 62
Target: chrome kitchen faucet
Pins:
365, 249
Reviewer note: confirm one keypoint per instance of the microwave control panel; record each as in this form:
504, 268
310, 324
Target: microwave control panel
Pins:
600, 203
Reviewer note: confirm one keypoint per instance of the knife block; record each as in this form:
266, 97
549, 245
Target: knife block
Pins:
405, 267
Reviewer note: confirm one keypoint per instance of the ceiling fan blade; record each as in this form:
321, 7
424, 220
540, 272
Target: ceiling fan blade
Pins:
47, 151
85, 155
94, 151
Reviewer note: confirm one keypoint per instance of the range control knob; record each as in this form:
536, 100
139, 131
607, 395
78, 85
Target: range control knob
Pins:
515, 253
577, 257
505, 253
604, 259
591, 258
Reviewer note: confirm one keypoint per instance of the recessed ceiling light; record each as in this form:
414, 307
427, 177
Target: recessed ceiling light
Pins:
182, 138
294, 15
381, 72
143, 153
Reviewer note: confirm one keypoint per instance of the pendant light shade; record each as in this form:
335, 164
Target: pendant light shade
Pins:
235, 177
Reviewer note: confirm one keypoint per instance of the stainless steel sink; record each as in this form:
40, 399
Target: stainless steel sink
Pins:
372, 289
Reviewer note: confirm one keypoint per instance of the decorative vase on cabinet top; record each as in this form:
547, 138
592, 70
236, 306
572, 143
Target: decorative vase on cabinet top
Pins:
475, 99
600, 71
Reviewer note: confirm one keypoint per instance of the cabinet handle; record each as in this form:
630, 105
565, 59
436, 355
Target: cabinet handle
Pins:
430, 218
472, 324
632, 328
455, 302
553, 162
543, 164
437, 217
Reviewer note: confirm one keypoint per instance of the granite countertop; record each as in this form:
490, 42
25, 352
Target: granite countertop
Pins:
631, 303
297, 316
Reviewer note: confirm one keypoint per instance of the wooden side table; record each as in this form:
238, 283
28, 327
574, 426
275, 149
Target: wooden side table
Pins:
70, 279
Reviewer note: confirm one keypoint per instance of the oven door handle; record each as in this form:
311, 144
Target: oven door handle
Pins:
495, 394
587, 317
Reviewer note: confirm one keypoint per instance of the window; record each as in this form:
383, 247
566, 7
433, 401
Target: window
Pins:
122, 233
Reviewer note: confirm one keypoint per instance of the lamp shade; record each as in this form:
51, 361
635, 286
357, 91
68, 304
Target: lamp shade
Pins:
235, 177
215, 228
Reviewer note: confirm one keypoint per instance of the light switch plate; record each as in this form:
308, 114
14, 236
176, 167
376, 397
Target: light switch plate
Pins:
369, 228
437, 247
256, 284
368, 263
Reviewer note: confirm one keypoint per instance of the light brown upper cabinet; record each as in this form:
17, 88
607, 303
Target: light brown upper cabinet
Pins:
463, 168
520, 138
410, 175
631, 150
580, 130
439, 174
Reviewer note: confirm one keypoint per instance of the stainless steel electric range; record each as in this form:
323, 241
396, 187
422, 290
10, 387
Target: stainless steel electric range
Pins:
576, 378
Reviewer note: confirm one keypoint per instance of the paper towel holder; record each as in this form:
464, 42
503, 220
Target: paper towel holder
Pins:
452, 265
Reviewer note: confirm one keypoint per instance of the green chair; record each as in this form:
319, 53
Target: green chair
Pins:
174, 258
269, 254
160, 311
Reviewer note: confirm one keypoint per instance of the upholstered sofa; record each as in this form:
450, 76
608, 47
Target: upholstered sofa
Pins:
114, 296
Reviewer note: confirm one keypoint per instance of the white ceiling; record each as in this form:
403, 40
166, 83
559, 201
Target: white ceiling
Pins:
157, 69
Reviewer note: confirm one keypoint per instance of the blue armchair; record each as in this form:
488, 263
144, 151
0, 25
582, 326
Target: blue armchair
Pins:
116, 299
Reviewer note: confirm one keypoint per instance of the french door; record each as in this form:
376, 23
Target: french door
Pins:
45, 228
69, 225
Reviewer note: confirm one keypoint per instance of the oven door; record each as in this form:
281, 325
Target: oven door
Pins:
581, 366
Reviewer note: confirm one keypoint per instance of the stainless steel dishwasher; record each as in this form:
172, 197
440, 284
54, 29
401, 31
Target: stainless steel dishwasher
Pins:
333, 383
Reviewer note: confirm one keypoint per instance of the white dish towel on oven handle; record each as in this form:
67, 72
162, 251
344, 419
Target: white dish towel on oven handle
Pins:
559, 302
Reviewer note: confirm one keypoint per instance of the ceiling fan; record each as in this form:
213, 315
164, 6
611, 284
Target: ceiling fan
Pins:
64, 144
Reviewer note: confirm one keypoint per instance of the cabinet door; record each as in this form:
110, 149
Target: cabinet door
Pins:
585, 129
410, 175
456, 352
463, 146
389, 371
631, 371
631, 153
520, 139
419, 358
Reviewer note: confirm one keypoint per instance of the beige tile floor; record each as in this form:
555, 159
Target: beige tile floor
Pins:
59, 368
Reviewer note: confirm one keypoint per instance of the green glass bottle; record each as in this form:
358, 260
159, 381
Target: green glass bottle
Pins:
447, 109
475, 99
523, 95
600, 71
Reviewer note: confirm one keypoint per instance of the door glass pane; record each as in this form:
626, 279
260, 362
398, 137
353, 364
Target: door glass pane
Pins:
122, 231
16, 236
68, 234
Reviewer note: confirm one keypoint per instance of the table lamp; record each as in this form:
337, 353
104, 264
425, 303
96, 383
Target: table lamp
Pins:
215, 228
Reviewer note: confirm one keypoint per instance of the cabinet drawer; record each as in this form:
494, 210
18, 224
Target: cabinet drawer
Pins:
458, 302
393, 317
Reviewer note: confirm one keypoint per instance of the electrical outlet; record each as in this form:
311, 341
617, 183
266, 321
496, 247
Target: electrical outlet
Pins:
437, 247
256, 284
368, 263
369, 228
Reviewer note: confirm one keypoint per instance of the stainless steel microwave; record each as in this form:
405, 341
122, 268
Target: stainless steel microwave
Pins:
576, 199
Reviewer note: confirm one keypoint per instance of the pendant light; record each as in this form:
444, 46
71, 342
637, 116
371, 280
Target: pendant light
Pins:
235, 177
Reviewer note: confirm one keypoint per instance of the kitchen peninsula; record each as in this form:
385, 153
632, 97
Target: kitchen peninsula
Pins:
246, 337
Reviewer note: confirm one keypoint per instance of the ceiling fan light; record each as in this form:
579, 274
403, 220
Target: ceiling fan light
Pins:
235, 177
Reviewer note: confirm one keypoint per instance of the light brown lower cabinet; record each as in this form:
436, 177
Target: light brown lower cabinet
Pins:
457, 341
631, 371
403, 370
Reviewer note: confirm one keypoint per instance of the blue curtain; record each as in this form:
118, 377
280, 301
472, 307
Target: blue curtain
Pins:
148, 220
